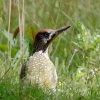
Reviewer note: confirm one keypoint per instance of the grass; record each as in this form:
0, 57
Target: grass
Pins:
75, 53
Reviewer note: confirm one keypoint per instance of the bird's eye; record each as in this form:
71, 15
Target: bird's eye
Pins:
46, 35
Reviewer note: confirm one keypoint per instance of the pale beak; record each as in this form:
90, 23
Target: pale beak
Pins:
54, 34
62, 29
58, 31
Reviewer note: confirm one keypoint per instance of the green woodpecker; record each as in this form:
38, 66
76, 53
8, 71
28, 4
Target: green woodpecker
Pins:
39, 69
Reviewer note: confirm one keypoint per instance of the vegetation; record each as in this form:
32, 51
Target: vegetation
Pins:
75, 53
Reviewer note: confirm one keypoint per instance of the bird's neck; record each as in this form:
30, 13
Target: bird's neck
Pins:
40, 46
45, 53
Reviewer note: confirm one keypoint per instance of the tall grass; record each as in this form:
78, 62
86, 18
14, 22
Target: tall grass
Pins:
75, 53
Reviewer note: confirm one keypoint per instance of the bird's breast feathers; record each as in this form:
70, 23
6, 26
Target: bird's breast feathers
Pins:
40, 69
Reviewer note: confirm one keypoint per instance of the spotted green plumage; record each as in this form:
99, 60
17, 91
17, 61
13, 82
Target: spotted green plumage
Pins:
39, 69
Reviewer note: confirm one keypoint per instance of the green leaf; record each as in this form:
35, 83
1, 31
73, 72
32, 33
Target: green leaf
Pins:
3, 47
8, 35
14, 51
31, 32
78, 75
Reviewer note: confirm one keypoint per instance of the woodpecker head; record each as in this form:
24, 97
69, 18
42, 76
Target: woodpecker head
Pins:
45, 37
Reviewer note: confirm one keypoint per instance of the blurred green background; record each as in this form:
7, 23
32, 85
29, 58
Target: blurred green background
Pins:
75, 53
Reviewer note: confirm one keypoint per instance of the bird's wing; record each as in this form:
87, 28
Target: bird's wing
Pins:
23, 73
